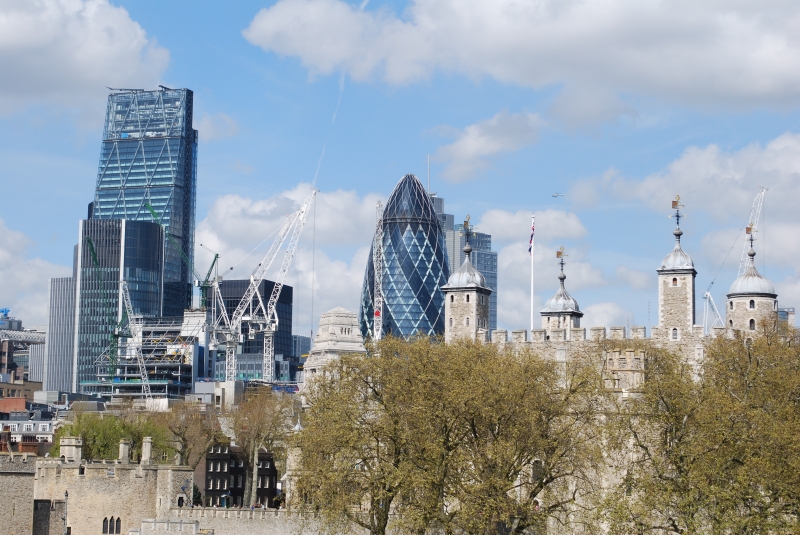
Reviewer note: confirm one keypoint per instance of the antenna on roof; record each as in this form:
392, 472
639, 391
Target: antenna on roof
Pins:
164, 88
429, 173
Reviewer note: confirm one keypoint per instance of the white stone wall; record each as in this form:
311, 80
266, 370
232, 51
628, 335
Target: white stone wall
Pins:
465, 311
738, 313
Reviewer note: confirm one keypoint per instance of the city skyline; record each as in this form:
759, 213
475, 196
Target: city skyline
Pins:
504, 128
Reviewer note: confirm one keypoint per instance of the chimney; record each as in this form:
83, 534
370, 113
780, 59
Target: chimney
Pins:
147, 450
72, 449
124, 451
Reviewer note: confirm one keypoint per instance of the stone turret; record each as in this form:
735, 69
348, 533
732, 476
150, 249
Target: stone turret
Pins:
466, 300
752, 301
561, 312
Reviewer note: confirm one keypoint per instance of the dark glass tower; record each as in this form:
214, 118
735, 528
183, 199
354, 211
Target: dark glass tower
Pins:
149, 155
126, 250
414, 266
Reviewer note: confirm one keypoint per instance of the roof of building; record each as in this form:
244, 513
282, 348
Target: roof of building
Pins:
677, 258
466, 276
751, 282
561, 301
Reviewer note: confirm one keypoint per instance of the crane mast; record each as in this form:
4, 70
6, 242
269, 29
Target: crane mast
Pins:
710, 312
135, 328
377, 264
755, 214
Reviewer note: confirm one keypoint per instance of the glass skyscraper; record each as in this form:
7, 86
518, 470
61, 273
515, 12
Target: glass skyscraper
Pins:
125, 250
149, 155
415, 266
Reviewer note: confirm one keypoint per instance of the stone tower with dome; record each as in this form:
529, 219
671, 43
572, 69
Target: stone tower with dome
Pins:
752, 301
561, 311
466, 303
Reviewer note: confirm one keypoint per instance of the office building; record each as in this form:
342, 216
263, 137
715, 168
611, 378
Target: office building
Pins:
301, 345
482, 256
149, 156
414, 266
250, 362
60, 345
124, 250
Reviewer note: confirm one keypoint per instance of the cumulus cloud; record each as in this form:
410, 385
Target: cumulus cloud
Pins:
24, 281
505, 226
476, 144
343, 230
606, 315
637, 280
216, 126
702, 53
67, 51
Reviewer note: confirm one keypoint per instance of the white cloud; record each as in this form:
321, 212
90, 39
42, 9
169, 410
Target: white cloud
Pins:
479, 142
216, 126
551, 224
67, 51
606, 315
703, 53
344, 227
24, 281
637, 280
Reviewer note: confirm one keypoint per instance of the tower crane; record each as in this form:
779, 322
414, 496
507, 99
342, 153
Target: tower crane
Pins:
710, 312
135, 344
377, 264
259, 318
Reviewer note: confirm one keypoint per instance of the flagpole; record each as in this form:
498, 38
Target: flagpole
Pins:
533, 221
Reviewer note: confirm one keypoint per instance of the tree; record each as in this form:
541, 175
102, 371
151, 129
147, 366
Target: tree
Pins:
460, 437
262, 420
715, 453
192, 430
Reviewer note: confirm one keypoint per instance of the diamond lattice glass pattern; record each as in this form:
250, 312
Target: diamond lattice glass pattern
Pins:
149, 155
414, 266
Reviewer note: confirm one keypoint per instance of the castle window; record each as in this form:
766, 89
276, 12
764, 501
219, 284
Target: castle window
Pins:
674, 334
105, 525
119, 526
467, 321
774, 305
180, 501
674, 282
451, 320
467, 298
752, 304
730, 322
731, 305
452, 298
752, 325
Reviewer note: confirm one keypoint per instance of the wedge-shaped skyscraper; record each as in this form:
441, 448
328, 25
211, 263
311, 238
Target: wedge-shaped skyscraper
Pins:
415, 266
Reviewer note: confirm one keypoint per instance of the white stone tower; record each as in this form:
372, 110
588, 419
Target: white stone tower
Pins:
466, 300
676, 279
561, 311
752, 301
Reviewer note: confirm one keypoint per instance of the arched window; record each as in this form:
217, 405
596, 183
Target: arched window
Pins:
467, 298
730, 322
111, 525
674, 334
451, 320
119, 526
81, 470
752, 325
467, 321
452, 298
105, 525
752, 304
731, 305
674, 282
180, 500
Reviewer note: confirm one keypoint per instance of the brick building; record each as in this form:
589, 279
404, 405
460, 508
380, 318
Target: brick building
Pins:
222, 474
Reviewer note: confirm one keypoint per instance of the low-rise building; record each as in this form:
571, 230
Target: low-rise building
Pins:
222, 474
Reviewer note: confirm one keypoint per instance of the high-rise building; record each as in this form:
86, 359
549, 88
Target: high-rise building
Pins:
124, 250
415, 266
60, 344
250, 362
482, 256
149, 156
301, 345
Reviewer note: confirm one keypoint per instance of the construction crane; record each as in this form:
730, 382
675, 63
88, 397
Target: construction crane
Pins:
259, 318
755, 214
710, 312
135, 344
377, 264
203, 283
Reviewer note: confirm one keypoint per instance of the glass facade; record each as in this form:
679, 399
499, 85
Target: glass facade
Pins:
415, 266
60, 335
133, 249
149, 155
250, 363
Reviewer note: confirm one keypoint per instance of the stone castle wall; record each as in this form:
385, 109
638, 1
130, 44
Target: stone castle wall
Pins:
16, 480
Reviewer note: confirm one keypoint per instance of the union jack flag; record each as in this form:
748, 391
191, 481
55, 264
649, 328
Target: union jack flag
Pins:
530, 242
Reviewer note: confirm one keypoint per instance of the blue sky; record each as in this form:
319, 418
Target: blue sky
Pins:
620, 105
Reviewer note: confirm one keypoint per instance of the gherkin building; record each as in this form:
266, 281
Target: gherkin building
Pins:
414, 266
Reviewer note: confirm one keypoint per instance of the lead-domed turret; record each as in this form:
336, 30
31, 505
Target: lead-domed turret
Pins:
561, 311
752, 301
751, 282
